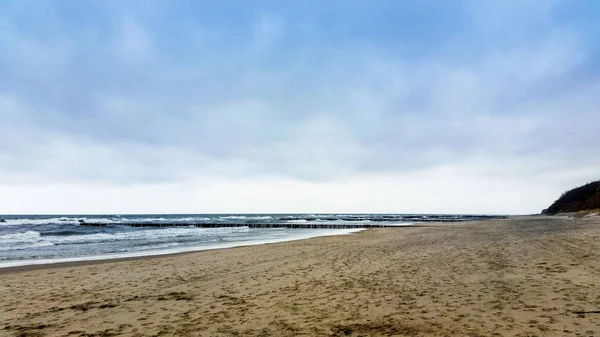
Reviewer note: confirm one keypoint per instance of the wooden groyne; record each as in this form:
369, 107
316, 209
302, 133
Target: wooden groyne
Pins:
276, 225
251, 225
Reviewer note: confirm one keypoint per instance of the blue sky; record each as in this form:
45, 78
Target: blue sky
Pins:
272, 106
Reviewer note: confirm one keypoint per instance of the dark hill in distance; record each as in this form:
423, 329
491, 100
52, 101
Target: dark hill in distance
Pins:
582, 198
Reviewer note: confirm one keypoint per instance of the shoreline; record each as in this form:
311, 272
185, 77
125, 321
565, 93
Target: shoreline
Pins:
522, 276
25, 265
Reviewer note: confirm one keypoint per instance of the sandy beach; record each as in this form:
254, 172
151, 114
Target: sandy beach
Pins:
529, 276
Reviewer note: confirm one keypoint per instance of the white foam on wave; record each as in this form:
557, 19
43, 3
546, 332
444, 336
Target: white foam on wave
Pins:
243, 217
31, 239
124, 219
162, 219
190, 219
59, 220
340, 221
15, 222
19, 237
99, 220
111, 221
223, 245
16, 241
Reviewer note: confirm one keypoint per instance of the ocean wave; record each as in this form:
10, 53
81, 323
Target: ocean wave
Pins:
243, 217
25, 240
93, 220
55, 221
297, 221
297, 235
191, 219
61, 233
150, 234
170, 220
42, 221
20, 237
32, 239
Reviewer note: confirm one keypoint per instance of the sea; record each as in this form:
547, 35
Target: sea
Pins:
43, 239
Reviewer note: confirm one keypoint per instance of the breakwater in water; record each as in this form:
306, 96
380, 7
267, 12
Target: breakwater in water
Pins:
28, 239
313, 223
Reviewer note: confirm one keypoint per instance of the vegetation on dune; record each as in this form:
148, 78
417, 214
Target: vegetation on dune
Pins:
582, 198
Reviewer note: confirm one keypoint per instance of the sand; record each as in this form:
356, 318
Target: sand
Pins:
530, 276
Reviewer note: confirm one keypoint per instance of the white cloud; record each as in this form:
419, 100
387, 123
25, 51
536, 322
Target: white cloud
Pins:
361, 129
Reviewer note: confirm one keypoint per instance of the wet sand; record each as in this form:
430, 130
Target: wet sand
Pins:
530, 276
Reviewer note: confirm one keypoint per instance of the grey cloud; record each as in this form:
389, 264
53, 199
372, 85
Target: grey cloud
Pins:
134, 114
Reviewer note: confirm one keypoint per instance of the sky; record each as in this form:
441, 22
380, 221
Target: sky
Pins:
382, 106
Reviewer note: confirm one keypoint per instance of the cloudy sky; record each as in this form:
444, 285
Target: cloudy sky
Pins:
305, 106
